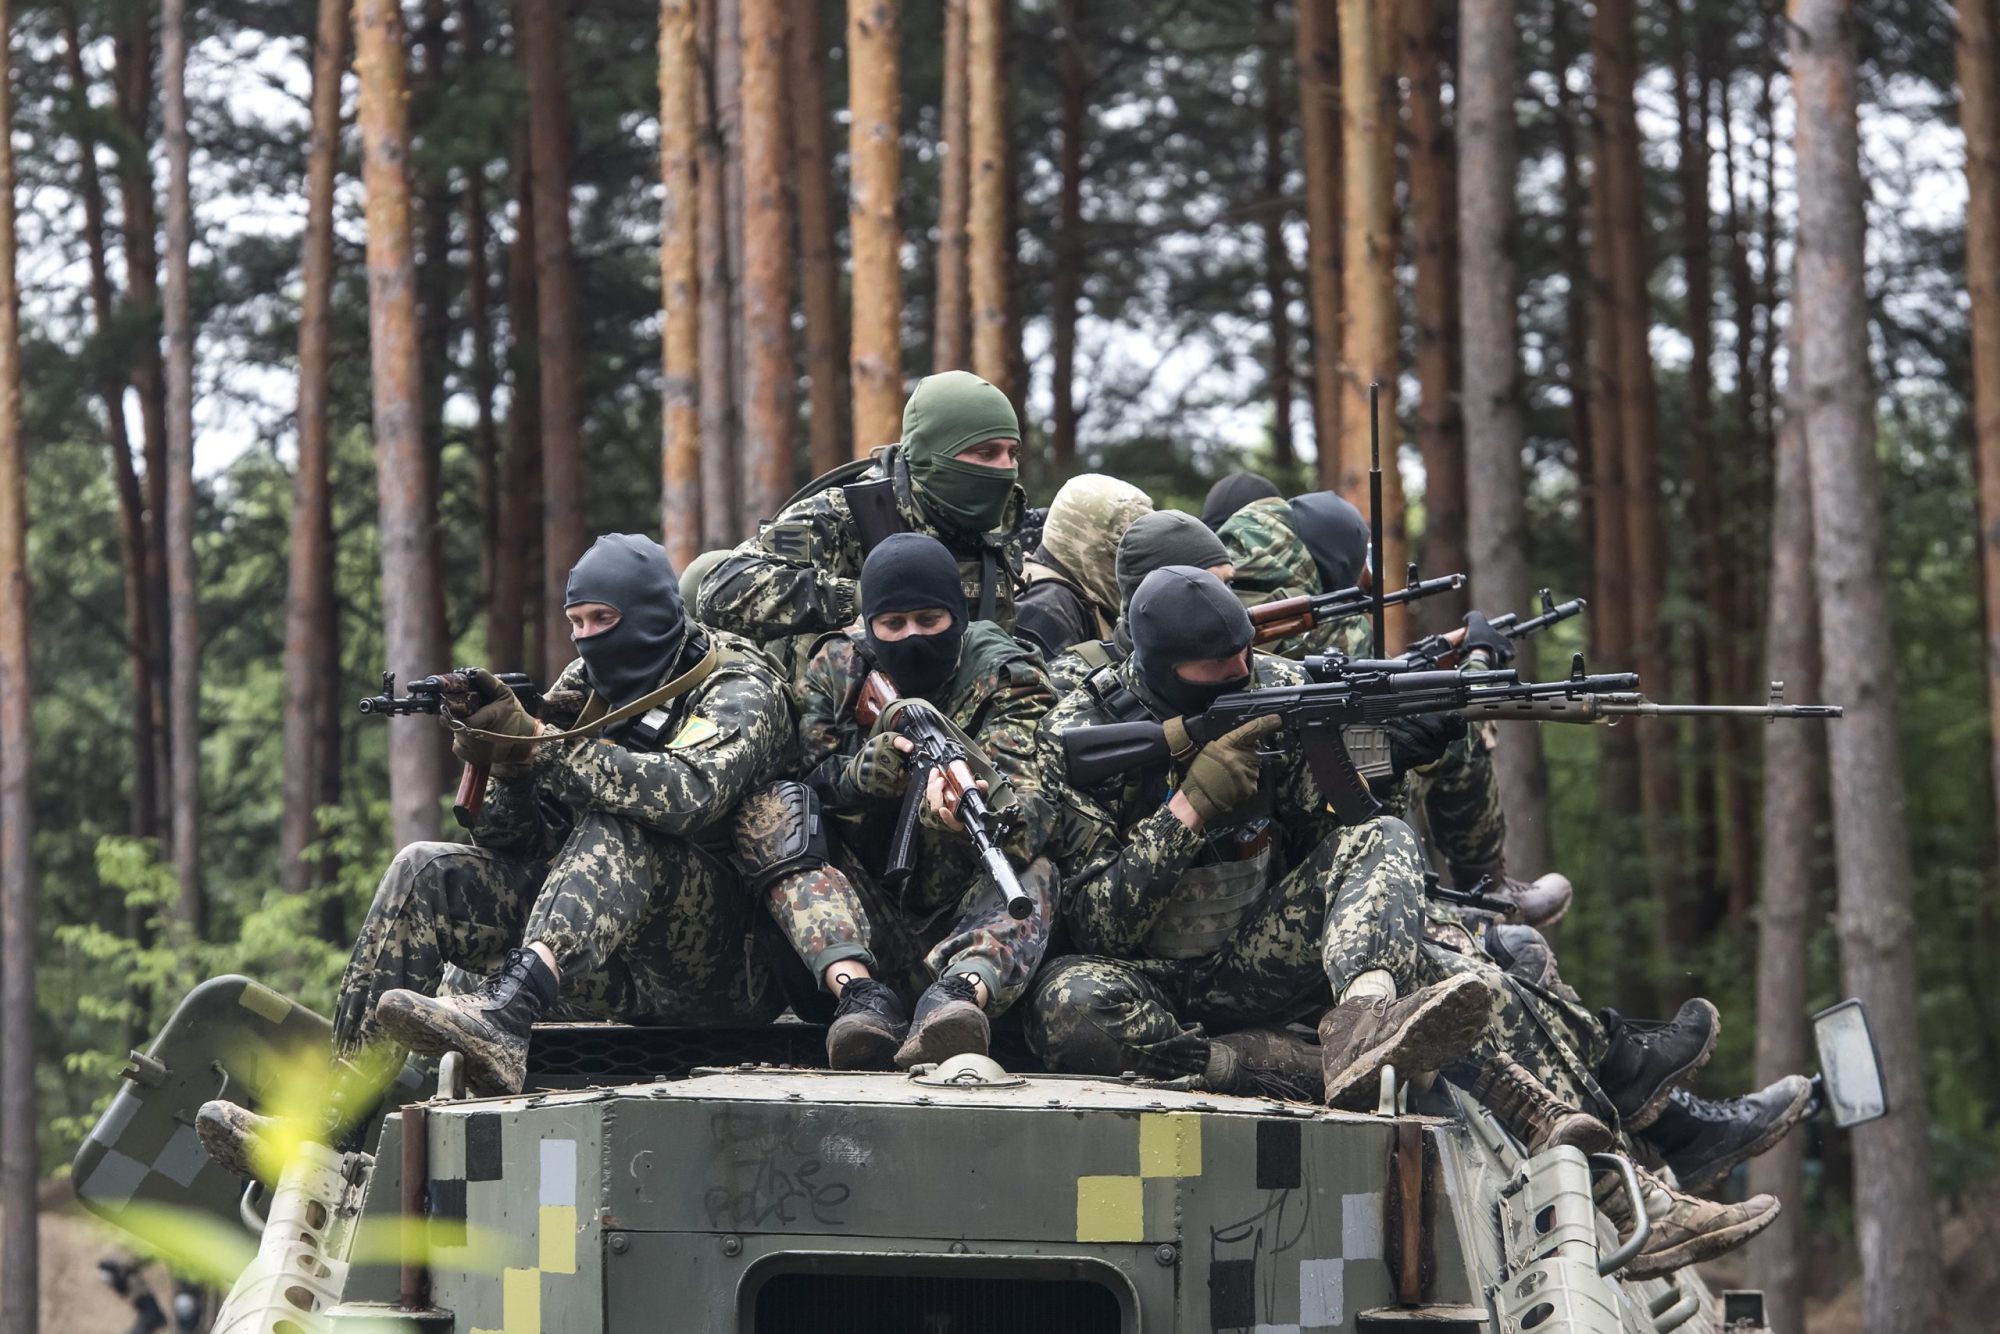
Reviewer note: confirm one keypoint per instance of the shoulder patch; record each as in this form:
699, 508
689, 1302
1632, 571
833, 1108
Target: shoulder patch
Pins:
694, 731
790, 540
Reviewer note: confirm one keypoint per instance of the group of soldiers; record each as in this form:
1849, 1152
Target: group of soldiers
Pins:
714, 833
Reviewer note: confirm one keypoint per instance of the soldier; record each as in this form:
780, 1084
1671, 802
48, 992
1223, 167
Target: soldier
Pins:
1072, 592
952, 476
1232, 493
1164, 537
946, 931
1265, 541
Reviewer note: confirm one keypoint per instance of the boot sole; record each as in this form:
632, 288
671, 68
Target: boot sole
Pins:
1649, 1110
1716, 1171
860, 1045
411, 1025
1701, 1249
1436, 1033
956, 1030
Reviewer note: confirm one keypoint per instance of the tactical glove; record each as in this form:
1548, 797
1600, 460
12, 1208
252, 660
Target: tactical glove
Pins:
502, 714
879, 770
1224, 773
1480, 635
1421, 740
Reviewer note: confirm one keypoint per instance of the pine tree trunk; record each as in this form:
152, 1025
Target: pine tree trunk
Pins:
819, 256
311, 668
1576, 268
1318, 49
717, 344
433, 189
680, 283
563, 533
1895, 1222
951, 328
767, 264
484, 378
413, 638
1277, 254
517, 573
875, 169
990, 239
1979, 116
1073, 79
183, 584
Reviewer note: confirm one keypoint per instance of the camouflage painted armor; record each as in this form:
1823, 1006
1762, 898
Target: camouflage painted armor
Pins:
1272, 564
610, 854
798, 575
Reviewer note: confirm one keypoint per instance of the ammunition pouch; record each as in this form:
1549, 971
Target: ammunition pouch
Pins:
1206, 906
778, 830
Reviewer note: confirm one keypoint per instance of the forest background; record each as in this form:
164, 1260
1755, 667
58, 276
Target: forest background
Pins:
316, 376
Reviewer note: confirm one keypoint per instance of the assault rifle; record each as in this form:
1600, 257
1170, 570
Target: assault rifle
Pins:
1314, 716
936, 746
1295, 615
451, 695
1442, 650
1605, 706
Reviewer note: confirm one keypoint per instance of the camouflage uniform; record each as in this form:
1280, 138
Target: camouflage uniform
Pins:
1072, 592
948, 915
610, 854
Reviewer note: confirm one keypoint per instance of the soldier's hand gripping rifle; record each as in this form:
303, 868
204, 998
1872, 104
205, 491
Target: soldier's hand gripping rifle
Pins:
1313, 717
453, 695
1442, 650
1273, 621
936, 746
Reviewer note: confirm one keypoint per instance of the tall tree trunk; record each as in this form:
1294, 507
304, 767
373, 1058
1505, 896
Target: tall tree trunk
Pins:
1576, 267
563, 532
1074, 81
1434, 239
517, 572
413, 638
951, 331
680, 283
183, 586
819, 257
330, 758
874, 98
1897, 1226
1979, 116
1317, 43
767, 264
433, 189
311, 668
990, 239
19, 1156
1277, 254
485, 425
717, 351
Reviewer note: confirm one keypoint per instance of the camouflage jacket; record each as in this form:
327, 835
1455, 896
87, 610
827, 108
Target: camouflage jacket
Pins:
798, 575
1272, 563
728, 735
1052, 613
997, 698
1121, 851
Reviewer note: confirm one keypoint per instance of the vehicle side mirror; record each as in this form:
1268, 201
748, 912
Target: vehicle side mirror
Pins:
1850, 1067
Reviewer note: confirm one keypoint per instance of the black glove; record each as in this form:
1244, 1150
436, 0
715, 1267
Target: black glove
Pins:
879, 770
1421, 739
1480, 634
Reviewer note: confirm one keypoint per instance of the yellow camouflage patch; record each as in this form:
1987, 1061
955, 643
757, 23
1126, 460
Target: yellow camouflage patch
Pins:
694, 731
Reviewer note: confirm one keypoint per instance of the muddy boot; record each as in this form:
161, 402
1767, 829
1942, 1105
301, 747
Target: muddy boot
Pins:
1267, 1063
948, 1022
231, 1135
1416, 1033
489, 1025
1531, 1111
1687, 1230
1702, 1141
1538, 902
1648, 1061
867, 1028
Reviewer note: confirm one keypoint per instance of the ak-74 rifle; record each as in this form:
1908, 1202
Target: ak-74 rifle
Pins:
452, 695
1607, 706
1273, 621
936, 745
1442, 650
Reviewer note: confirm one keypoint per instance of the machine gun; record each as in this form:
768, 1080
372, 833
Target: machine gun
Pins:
1315, 715
1442, 650
936, 746
452, 695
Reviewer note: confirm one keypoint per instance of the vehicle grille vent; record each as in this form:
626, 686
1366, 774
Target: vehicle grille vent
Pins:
933, 1304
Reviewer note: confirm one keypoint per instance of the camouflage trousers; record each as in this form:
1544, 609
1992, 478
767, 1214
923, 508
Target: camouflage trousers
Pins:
834, 913
1461, 802
643, 928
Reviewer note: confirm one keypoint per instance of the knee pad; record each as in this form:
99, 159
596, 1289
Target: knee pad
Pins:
776, 831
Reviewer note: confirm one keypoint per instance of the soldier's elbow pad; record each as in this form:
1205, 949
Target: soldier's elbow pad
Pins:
778, 830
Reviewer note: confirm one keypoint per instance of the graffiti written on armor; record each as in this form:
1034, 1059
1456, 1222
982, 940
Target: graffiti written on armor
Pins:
772, 1170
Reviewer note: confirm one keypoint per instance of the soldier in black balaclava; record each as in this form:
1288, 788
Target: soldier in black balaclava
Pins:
1232, 493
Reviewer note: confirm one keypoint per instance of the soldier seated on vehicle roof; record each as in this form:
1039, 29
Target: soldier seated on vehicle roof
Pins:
1072, 593
946, 931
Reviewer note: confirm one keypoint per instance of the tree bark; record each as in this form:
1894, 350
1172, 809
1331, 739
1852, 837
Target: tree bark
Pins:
951, 332
563, 533
433, 190
413, 638
767, 264
1074, 81
485, 425
680, 283
1318, 53
990, 239
717, 344
1896, 1224
819, 257
516, 575
311, 668
1979, 116
1277, 254
873, 144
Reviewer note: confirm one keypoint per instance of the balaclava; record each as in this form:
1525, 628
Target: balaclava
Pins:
908, 572
1164, 537
1183, 614
1086, 522
632, 573
946, 413
1232, 493
1337, 536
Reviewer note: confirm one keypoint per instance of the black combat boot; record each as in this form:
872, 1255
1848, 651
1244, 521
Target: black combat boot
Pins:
1703, 1140
489, 1025
1268, 1063
1532, 1112
867, 1028
1425, 1030
948, 1022
1647, 1061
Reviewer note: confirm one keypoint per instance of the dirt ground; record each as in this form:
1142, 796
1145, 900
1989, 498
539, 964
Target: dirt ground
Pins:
75, 1298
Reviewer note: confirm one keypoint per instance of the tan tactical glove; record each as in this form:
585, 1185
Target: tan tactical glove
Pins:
1224, 773
503, 715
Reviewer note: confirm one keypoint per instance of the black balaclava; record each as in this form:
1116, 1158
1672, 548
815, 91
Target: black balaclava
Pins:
1232, 493
1182, 614
1162, 538
1336, 534
632, 573
909, 572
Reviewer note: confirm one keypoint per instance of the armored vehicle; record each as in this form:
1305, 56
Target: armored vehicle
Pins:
667, 1181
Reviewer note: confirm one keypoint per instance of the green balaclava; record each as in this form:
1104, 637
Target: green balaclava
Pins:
946, 414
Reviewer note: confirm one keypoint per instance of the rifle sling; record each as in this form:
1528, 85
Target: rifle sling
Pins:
588, 726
